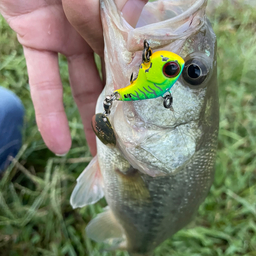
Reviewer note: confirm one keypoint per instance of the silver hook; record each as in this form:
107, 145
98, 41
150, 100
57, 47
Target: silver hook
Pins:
168, 101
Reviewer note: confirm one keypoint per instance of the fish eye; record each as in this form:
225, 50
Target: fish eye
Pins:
171, 69
194, 72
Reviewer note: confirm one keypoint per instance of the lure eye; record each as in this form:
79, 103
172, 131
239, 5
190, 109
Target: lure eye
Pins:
194, 72
171, 69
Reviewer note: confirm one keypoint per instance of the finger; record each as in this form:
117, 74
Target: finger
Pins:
132, 10
84, 15
46, 92
86, 86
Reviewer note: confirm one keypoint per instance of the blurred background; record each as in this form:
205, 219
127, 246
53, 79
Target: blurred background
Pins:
35, 215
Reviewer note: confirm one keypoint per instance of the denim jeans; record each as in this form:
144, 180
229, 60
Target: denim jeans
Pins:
11, 122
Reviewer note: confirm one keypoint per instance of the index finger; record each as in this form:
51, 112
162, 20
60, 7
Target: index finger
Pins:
46, 92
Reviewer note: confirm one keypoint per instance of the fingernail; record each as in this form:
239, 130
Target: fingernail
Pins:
61, 154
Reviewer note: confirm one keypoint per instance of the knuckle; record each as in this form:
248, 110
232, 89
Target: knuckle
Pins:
85, 97
45, 85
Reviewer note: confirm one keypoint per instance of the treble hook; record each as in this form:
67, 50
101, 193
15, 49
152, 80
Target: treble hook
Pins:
168, 101
147, 52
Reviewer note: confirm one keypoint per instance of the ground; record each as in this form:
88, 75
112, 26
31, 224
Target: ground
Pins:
35, 215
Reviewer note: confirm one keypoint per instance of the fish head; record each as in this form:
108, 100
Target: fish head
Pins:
153, 139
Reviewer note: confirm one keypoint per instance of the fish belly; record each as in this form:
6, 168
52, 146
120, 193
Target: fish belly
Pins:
151, 209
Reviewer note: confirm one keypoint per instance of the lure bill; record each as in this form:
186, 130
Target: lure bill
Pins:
155, 77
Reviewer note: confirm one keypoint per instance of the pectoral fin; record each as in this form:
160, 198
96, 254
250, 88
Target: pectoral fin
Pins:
89, 187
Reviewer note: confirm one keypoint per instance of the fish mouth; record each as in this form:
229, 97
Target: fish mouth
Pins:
173, 20
167, 32
169, 19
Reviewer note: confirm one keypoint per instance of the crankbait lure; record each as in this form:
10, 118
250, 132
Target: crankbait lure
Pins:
158, 73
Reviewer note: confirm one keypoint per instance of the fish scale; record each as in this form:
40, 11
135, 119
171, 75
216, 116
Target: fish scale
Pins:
200, 183
164, 187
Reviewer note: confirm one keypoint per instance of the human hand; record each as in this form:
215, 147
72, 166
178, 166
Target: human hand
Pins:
44, 31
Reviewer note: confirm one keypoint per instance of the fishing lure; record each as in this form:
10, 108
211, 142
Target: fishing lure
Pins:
157, 74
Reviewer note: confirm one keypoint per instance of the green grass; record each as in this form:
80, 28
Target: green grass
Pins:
35, 215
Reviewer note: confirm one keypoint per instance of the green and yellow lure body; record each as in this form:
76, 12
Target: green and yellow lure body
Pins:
155, 77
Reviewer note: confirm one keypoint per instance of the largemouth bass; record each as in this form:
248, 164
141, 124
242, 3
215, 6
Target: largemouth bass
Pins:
159, 163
